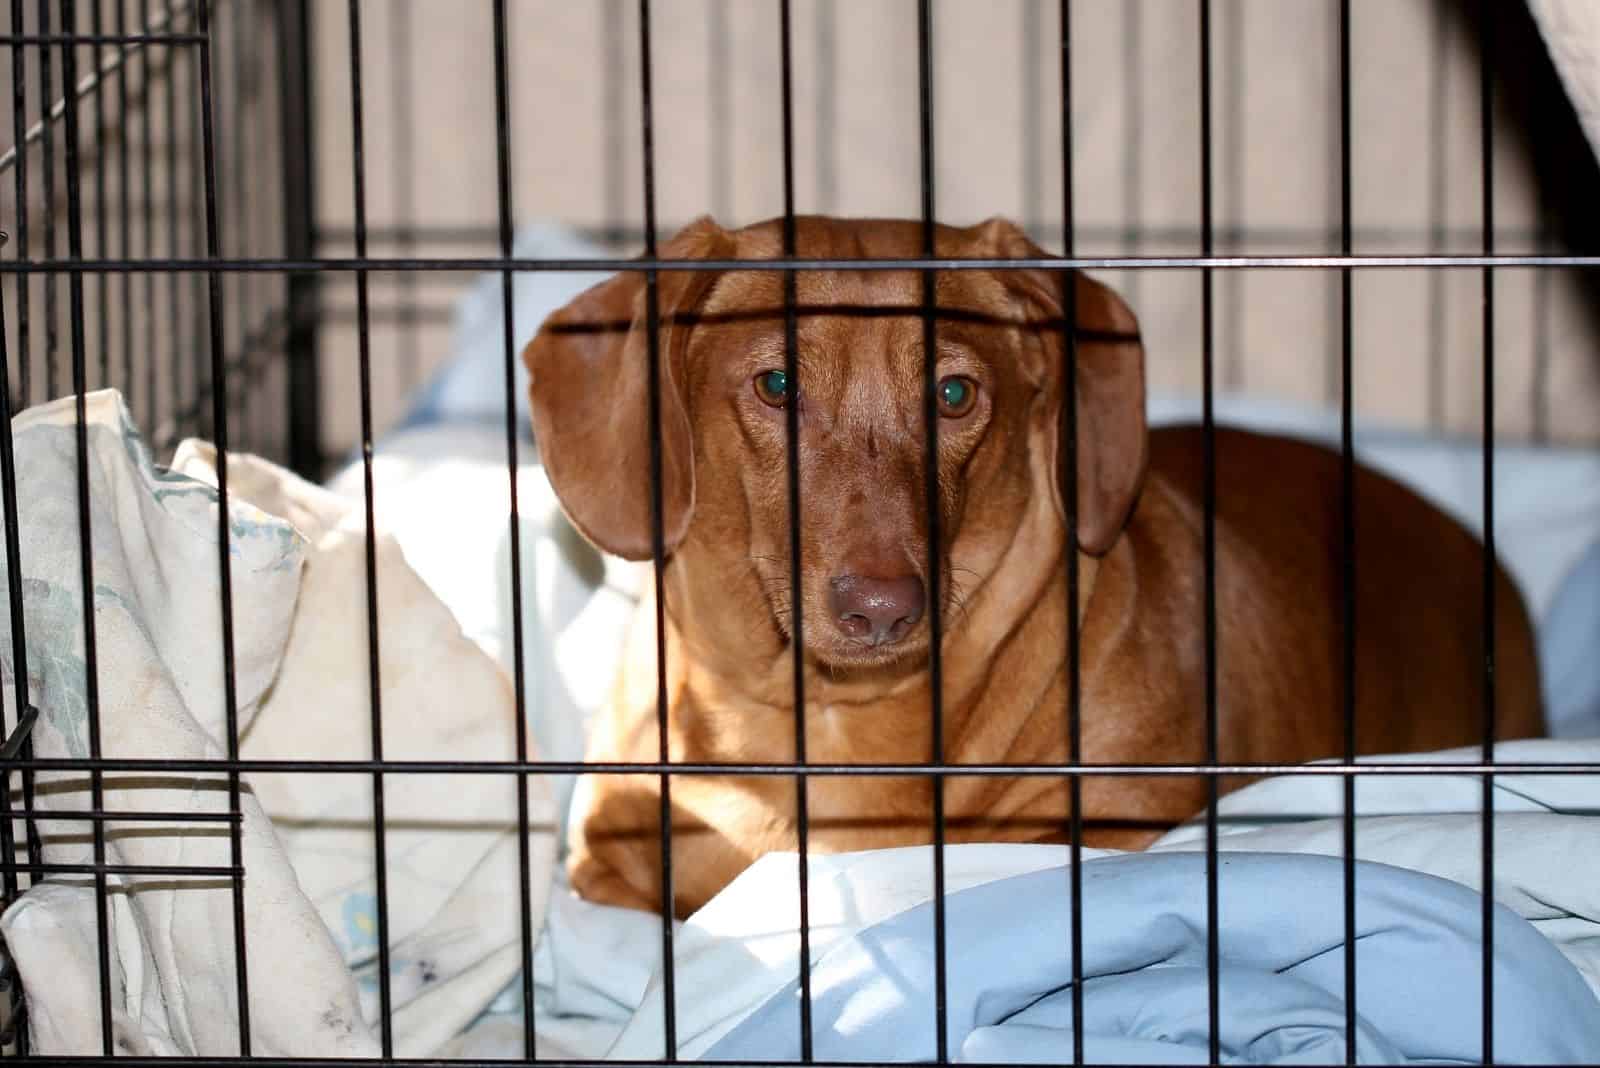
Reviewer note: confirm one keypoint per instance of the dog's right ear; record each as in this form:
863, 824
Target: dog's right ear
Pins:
589, 389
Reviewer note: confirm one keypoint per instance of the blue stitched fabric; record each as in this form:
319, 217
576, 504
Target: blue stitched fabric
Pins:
1418, 994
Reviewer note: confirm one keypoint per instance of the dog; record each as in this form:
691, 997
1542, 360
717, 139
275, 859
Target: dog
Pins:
1003, 482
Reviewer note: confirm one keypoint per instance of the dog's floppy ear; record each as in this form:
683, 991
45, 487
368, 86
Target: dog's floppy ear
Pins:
589, 388
1112, 446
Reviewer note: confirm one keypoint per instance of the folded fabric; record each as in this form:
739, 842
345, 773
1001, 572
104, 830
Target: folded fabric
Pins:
157, 609
1546, 841
453, 930
302, 658
1145, 989
444, 491
740, 954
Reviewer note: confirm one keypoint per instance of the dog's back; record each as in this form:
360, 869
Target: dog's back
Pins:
1419, 605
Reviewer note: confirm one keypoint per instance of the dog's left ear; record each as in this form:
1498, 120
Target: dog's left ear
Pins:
1112, 447
589, 386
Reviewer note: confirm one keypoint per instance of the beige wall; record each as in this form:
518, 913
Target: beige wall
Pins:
430, 150
997, 136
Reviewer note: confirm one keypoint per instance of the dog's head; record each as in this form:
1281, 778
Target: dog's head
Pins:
865, 560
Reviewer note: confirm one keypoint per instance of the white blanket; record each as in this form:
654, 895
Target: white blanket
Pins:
301, 643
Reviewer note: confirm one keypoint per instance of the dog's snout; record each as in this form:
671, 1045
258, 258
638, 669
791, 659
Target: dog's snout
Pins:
877, 611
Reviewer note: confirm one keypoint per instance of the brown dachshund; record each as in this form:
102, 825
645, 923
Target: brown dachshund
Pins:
866, 564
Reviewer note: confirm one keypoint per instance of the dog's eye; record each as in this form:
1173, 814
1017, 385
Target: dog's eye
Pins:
957, 395
773, 388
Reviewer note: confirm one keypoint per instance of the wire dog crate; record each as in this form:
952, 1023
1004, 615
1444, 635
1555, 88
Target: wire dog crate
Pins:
166, 236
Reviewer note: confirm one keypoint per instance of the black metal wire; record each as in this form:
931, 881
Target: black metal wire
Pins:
502, 112
103, 320
174, 364
1209, 529
1131, 234
930, 419
19, 120
1347, 494
97, 38
1486, 121
303, 264
566, 1062
375, 694
147, 239
658, 551
124, 816
1069, 465
791, 413
242, 64
647, 264
91, 668
48, 160
124, 210
927, 769
197, 196
19, 646
219, 400
132, 43
297, 114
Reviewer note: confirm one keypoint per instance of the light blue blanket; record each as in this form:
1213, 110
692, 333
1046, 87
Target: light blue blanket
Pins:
1418, 977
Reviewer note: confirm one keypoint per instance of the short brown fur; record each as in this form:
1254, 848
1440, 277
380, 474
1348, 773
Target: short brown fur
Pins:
1002, 494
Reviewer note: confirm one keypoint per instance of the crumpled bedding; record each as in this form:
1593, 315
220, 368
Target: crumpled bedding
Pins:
1145, 990
301, 654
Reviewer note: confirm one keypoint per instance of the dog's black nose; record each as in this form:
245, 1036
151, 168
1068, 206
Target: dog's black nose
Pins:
880, 611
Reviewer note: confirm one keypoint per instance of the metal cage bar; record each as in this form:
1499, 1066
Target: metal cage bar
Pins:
658, 551
502, 99
186, 39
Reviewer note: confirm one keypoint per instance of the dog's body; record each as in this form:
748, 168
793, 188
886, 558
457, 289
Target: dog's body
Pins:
1139, 522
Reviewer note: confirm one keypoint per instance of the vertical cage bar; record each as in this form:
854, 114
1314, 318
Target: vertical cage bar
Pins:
295, 104
47, 144
101, 282
197, 197
69, 71
1347, 494
124, 206
1209, 504
19, 129
19, 648
375, 694
219, 408
791, 413
240, 63
47, 152
147, 240
930, 417
1069, 453
652, 296
502, 112
1486, 10
173, 362
19, 645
